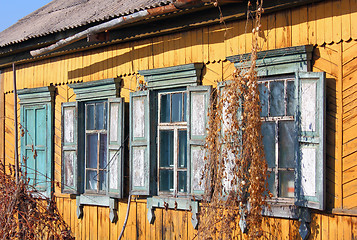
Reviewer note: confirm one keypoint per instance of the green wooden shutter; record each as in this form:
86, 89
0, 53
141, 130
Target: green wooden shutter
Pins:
36, 145
70, 178
226, 182
115, 146
141, 167
310, 118
230, 160
198, 104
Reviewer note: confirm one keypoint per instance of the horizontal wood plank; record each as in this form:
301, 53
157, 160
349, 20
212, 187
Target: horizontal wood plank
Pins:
350, 188
350, 174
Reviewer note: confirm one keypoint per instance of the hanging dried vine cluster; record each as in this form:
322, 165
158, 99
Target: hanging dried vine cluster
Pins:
25, 214
236, 164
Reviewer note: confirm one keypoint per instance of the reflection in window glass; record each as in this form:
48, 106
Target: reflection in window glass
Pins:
286, 144
271, 183
176, 107
184, 107
263, 96
182, 157
92, 150
286, 187
165, 108
166, 148
166, 180
103, 180
182, 181
268, 132
90, 117
91, 180
291, 102
99, 114
105, 115
277, 103
103, 151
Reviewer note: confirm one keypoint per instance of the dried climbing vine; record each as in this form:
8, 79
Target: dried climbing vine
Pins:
25, 212
236, 183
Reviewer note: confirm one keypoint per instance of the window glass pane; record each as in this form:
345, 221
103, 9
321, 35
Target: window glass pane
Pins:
291, 101
182, 157
286, 144
105, 115
92, 140
182, 181
99, 116
286, 184
165, 108
184, 107
277, 105
91, 181
166, 180
103, 151
166, 148
102, 180
263, 96
268, 132
90, 117
176, 107
271, 183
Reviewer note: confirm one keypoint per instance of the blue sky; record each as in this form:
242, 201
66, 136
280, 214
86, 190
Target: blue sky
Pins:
13, 10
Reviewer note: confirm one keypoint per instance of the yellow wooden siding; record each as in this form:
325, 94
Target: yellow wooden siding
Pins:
310, 24
171, 224
61, 97
328, 59
2, 120
326, 24
9, 131
349, 125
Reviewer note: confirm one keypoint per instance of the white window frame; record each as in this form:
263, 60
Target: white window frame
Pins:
98, 133
276, 120
176, 127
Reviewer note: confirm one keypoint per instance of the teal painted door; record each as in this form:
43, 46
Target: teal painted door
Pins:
34, 146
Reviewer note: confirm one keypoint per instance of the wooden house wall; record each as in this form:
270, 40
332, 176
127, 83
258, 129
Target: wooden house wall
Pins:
328, 25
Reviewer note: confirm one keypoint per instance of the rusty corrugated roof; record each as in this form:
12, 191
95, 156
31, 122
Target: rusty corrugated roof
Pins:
60, 15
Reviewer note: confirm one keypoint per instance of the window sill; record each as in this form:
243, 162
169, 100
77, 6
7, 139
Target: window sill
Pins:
177, 203
282, 208
96, 200
172, 203
44, 195
344, 212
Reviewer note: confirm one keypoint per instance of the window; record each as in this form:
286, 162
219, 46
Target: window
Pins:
278, 104
293, 109
36, 106
172, 147
92, 144
96, 147
167, 132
